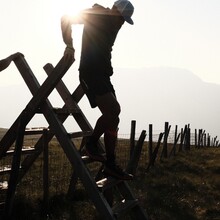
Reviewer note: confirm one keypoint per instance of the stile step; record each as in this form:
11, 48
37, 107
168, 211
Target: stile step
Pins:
80, 134
3, 185
27, 150
124, 207
5, 169
86, 159
34, 131
2, 206
66, 111
107, 183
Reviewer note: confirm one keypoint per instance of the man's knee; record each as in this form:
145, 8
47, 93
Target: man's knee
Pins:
116, 110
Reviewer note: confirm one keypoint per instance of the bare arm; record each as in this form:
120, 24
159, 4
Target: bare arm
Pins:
66, 30
66, 22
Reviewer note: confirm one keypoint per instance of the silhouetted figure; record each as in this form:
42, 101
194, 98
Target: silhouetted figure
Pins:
101, 26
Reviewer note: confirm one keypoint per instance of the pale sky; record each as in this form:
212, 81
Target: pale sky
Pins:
175, 33
171, 33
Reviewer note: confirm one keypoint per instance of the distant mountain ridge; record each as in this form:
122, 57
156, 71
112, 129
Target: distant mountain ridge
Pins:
147, 95
168, 94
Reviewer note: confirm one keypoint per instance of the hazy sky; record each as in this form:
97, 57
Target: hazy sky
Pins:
183, 33
171, 33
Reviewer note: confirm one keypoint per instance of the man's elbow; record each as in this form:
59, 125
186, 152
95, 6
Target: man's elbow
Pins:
65, 19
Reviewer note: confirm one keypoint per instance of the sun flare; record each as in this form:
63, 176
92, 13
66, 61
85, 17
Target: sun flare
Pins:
70, 7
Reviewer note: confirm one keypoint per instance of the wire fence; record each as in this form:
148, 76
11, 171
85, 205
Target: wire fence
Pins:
60, 169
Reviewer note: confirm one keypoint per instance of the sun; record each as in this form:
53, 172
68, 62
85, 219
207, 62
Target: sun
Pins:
70, 7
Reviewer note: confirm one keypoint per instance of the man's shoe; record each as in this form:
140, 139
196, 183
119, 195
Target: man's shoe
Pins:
92, 151
115, 171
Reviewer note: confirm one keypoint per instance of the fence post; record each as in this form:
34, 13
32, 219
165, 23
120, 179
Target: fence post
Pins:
203, 133
166, 133
205, 141
133, 162
183, 134
132, 137
157, 148
176, 139
214, 143
45, 173
187, 138
196, 138
150, 143
199, 138
16, 160
208, 141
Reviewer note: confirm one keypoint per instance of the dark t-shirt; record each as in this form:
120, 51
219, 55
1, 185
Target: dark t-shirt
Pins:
99, 34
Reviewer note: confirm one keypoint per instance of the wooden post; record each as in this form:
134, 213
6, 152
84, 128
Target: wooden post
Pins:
13, 180
215, 141
155, 152
205, 140
45, 173
199, 138
133, 163
150, 143
202, 138
208, 141
187, 138
132, 137
166, 134
183, 135
157, 148
176, 139
196, 138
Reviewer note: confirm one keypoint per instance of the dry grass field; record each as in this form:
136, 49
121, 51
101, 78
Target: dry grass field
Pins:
184, 187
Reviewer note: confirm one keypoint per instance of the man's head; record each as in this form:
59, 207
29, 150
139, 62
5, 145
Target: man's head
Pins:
126, 9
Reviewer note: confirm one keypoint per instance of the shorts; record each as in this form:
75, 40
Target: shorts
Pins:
96, 86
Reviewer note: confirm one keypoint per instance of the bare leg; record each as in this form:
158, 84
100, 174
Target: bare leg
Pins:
107, 124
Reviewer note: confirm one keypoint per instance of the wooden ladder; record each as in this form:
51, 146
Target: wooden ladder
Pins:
99, 190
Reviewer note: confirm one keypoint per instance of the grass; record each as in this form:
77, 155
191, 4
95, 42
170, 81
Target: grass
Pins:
185, 187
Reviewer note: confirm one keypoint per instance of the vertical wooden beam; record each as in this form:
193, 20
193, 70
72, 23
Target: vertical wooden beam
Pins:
176, 139
45, 172
155, 152
183, 134
196, 138
150, 144
133, 162
132, 137
166, 134
13, 180
187, 138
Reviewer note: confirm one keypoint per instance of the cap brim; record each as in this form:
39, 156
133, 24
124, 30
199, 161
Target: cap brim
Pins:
129, 20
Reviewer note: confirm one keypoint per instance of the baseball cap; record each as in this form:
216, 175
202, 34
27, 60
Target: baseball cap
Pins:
126, 9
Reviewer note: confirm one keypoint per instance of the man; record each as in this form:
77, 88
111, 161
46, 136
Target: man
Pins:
101, 26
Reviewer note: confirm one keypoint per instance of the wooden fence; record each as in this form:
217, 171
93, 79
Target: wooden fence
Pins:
142, 152
182, 141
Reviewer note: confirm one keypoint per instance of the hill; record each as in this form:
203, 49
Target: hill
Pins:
147, 95
156, 95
